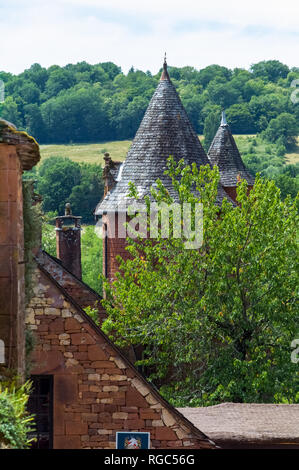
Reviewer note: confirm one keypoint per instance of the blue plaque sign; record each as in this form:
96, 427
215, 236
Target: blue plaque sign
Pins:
132, 440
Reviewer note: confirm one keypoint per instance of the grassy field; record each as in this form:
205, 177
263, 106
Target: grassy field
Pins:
293, 157
89, 153
94, 153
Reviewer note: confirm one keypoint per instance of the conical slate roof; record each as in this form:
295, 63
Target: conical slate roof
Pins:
165, 130
225, 154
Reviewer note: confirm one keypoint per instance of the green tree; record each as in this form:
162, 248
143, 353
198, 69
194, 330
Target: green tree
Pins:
34, 121
223, 94
285, 128
56, 178
92, 261
60, 180
271, 70
59, 79
10, 112
240, 119
86, 195
216, 323
211, 124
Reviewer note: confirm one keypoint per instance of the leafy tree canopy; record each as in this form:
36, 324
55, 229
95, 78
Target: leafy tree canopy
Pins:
215, 324
85, 103
60, 180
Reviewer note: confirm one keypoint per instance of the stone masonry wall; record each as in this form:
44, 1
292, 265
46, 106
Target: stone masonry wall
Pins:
96, 391
115, 247
11, 258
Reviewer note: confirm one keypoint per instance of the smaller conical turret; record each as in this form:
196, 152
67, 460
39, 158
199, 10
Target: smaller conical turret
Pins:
225, 154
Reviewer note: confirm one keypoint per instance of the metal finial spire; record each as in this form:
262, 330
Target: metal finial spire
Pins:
165, 75
223, 119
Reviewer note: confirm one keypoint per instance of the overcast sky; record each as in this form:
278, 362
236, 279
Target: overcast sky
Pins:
233, 33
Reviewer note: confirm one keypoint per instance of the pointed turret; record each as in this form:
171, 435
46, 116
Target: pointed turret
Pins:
165, 130
225, 154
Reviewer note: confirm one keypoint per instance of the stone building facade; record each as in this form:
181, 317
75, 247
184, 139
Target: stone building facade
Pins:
18, 152
96, 390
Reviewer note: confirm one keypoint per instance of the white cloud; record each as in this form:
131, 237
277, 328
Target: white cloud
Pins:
230, 32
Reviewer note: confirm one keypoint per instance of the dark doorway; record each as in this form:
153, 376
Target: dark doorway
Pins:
41, 405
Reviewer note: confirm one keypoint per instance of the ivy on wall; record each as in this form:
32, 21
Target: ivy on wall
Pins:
32, 233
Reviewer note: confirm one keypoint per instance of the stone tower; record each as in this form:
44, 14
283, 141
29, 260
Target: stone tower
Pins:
165, 130
68, 241
224, 153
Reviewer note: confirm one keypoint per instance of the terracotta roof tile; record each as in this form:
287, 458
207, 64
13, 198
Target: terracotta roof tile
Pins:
247, 421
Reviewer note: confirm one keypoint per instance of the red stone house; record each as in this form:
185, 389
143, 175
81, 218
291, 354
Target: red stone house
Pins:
93, 389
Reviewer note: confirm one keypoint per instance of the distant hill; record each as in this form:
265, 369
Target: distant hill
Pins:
93, 103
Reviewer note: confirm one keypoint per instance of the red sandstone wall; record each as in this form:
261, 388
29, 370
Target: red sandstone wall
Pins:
96, 392
11, 257
115, 247
232, 191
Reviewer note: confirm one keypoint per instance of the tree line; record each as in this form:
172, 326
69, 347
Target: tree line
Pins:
86, 103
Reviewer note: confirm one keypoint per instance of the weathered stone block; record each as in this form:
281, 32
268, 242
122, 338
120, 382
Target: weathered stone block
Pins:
120, 415
110, 388
141, 387
94, 377
168, 419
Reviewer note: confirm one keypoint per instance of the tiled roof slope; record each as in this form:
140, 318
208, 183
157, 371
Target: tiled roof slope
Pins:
247, 423
82, 293
165, 130
225, 154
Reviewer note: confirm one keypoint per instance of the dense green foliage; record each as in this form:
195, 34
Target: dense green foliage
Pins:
215, 324
15, 423
83, 103
268, 159
92, 261
60, 180
32, 229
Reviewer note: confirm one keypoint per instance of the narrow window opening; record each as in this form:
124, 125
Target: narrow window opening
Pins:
41, 405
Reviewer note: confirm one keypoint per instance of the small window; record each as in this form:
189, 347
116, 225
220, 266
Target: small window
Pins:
40, 404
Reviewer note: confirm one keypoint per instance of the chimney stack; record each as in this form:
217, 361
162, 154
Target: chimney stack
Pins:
68, 241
